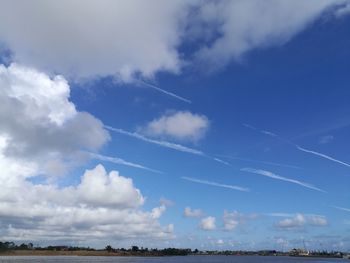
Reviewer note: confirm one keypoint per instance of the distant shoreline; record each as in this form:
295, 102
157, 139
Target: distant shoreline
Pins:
101, 253
104, 253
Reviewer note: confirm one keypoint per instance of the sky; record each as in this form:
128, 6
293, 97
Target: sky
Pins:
200, 124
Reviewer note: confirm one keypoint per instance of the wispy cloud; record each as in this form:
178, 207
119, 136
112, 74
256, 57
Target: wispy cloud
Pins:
262, 162
232, 187
117, 160
342, 208
166, 92
278, 177
322, 155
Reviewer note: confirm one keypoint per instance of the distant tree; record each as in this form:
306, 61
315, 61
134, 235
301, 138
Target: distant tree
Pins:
134, 248
23, 246
109, 248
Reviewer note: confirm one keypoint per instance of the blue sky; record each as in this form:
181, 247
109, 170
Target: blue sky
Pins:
223, 131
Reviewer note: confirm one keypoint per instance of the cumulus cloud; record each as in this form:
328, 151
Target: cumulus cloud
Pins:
39, 122
233, 219
301, 220
71, 38
188, 212
208, 223
180, 125
41, 132
98, 188
102, 206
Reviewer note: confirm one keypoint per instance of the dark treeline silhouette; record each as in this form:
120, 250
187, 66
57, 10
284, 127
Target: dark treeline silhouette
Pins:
6, 247
135, 250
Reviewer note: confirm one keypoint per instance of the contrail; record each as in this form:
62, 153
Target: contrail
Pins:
170, 145
232, 187
278, 177
249, 126
342, 208
297, 146
117, 160
279, 214
221, 161
269, 133
166, 92
322, 155
262, 162
165, 144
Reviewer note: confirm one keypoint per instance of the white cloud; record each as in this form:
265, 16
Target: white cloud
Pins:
245, 25
316, 220
180, 125
166, 202
234, 219
103, 206
95, 38
188, 212
208, 223
220, 242
41, 132
142, 38
99, 188
301, 220
39, 122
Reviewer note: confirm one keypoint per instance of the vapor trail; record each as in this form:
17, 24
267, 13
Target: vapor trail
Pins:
322, 155
170, 145
166, 92
117, 160
232, 187
342, 208
278, 177
174, 146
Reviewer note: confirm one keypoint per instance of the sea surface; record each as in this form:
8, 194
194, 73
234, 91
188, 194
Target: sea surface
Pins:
186, 259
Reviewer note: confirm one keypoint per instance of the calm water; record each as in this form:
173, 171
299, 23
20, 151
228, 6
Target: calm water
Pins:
188, 259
